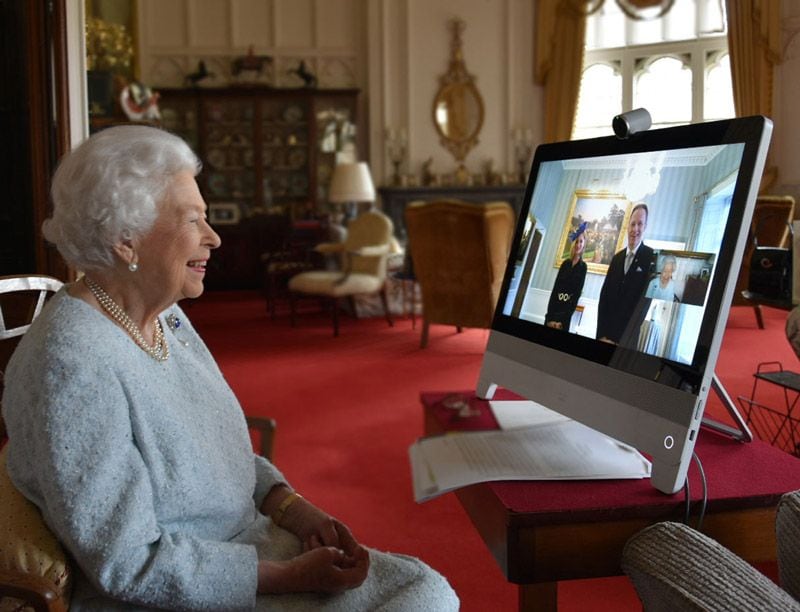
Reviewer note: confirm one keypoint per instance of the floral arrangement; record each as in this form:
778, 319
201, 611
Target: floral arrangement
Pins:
109, 46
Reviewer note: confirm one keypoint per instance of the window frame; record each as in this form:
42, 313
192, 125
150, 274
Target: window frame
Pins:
629, 60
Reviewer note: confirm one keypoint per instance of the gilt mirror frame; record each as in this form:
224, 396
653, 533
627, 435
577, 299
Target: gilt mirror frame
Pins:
457, 87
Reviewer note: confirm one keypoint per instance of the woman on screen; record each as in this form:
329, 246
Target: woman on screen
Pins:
662, 286
569, 283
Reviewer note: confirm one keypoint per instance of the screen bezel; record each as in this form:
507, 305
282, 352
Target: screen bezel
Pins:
610, 389
747, 131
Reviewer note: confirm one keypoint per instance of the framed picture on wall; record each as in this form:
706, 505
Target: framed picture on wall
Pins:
224, 213
606, 215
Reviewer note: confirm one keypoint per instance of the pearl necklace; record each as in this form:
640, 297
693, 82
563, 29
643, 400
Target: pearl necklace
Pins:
159, 350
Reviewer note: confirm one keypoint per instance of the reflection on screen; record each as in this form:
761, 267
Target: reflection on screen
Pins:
575, 271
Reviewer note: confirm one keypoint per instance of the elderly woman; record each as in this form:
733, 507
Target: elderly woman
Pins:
662, 287
126, 436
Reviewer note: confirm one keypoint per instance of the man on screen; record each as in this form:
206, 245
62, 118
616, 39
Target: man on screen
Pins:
620, 305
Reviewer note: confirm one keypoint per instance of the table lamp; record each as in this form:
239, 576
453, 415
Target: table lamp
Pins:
351, 184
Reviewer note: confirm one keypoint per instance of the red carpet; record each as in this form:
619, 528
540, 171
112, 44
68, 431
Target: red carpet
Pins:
348, 408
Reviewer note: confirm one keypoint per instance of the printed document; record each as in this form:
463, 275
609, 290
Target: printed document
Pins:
555, 450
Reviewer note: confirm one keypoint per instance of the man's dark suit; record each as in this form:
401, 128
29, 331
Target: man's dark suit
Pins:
620, 298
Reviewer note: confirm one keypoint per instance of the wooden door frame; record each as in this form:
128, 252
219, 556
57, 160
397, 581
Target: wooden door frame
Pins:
48, 96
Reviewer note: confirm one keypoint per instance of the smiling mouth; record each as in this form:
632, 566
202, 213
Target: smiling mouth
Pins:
199, 265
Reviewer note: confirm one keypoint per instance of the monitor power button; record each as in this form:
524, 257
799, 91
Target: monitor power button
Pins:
669, 442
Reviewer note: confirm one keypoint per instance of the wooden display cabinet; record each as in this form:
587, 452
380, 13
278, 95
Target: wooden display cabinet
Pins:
265, 152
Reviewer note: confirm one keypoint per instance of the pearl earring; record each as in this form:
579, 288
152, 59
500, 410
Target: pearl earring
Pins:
133, 266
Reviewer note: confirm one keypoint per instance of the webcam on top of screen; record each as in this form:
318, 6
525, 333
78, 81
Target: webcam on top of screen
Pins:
632, 122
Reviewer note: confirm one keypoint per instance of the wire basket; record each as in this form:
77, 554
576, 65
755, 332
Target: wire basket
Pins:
778, 427
773, 426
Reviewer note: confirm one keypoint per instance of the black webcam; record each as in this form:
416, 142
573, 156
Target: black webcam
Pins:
632, 122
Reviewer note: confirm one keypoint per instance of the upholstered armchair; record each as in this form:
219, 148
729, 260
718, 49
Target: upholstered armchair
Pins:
769, 227
35, 572
363, 256
460, 251
674, 568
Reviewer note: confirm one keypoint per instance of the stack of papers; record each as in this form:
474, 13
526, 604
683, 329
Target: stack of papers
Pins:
535, 444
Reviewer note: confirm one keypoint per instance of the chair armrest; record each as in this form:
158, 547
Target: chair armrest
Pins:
787, 530
371, 251
35, 591
329, 248
266, 429
793, 330
674, 567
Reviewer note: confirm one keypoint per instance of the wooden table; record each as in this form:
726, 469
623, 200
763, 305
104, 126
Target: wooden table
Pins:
540, 532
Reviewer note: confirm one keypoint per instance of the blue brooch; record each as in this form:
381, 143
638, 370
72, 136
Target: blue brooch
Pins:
174, 323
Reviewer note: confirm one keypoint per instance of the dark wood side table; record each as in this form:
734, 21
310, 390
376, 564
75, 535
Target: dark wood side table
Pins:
541, 532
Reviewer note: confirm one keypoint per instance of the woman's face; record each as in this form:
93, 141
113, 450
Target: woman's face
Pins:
579, 245
667, 270
173, 255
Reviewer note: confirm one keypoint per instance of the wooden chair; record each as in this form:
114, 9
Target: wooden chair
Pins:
460, 251
35, 572
287, 251
363, 269
770, 227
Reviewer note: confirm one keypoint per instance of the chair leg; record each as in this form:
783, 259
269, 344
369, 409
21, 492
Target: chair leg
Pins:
759, 316
459, 329
351, 304
385, 302
293, 309
335, 315
272, 291
413, 305
424, 339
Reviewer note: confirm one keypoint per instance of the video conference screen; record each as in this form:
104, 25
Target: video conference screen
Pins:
623, 249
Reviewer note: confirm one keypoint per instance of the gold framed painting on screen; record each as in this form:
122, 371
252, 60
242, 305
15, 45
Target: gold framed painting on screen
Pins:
606, 215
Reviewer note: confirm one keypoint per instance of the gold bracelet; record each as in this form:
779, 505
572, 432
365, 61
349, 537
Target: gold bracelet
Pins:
278, 513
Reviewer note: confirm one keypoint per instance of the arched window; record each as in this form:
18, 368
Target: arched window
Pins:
676, 66
718, 99
602, 99
663, 85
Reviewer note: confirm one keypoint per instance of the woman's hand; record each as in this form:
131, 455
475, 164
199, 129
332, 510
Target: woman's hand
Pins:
316, 528
325, 569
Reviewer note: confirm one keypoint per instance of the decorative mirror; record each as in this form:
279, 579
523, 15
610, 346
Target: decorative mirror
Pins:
458, 106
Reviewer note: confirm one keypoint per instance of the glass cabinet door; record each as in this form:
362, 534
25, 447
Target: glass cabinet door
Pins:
229, 152
179, 116
285, 159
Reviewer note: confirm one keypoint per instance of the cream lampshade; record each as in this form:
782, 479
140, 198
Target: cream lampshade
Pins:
351, 183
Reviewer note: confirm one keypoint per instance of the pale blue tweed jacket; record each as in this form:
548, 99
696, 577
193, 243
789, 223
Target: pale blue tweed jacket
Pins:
144, 470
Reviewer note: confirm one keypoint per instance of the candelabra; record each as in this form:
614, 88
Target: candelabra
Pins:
523, 148
396, 150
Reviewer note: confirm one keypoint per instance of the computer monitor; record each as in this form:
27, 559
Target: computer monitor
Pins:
630, 354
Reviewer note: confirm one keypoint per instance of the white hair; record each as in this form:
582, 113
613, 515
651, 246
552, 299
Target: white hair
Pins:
109, 189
